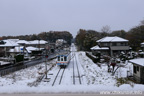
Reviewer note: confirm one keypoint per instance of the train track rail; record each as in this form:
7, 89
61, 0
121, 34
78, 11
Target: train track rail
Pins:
60, 74
76, 73
39, 79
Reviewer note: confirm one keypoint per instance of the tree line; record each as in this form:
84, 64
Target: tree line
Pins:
86, 39
50, 36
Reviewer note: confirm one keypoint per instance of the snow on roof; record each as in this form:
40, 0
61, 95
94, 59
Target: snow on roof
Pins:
142, 43
99, 48
20, 49
9, 43
38, 42
112, 39
139, 61
23, 42
30, 48
4, 63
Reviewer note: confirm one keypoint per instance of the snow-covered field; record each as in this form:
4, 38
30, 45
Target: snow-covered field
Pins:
94, 78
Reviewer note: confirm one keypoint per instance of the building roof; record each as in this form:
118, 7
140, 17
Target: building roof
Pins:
4, 63
139, 61
23, 42
30, 48
38, 42
16, 42
99, 48
8, 43
112, 39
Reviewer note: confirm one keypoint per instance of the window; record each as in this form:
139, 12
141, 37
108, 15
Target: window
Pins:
114, 44
65, 58
61, 58
58, 58
118, 44
122, 44
137, 68
134, 69
105, 44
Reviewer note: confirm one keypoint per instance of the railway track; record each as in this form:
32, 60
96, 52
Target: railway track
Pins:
59, 76
76, 73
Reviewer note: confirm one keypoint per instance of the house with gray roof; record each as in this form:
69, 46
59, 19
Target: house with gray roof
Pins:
111, 45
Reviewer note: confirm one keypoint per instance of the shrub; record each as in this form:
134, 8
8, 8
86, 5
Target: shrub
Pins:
95, 59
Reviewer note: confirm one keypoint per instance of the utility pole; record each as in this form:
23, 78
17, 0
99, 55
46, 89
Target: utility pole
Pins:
45, 68
39, 44
5, 51
46, 57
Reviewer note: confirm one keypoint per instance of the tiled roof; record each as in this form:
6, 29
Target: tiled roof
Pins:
112, 39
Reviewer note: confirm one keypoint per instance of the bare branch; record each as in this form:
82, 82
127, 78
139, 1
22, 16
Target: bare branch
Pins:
106, 29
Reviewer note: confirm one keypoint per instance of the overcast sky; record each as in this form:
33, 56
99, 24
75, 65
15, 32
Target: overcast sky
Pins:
24, 17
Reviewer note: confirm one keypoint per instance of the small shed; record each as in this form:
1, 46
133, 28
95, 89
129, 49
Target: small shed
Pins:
138, 70
103, 50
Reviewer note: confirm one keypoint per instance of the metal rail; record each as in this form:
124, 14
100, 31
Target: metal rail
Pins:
78, 71
61, 76
73, 73
75, 63
56, 77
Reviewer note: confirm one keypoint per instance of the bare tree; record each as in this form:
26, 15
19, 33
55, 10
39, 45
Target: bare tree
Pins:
142, 22
107, 60
106, 29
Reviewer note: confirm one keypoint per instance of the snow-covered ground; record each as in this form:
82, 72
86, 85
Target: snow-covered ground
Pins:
93, 78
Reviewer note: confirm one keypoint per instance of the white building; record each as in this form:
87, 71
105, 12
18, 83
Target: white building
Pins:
60, 42
138, 70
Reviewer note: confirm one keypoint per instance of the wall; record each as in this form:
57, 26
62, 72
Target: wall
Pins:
119, 47
137, 74
142, 74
